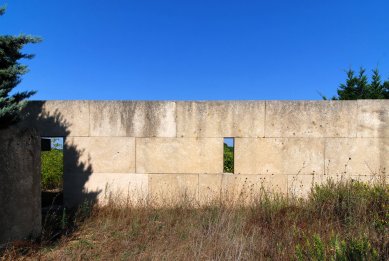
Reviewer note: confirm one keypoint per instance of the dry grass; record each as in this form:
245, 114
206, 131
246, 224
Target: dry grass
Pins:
340, 221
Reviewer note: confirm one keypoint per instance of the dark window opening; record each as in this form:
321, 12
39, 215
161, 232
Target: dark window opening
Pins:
228, 152
52, 167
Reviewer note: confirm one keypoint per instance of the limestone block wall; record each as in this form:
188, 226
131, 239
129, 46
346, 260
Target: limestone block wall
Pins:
170, 149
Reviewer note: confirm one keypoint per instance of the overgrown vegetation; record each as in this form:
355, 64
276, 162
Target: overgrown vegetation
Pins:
52, 167
337, 221
11, 72
228, 166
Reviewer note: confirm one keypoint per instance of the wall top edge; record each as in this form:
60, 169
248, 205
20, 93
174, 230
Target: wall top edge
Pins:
205, 101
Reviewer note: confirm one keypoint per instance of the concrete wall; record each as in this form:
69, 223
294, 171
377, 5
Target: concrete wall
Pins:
170, 149
20, 195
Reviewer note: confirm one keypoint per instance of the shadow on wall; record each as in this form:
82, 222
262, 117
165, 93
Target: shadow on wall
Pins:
20, 210
76, 173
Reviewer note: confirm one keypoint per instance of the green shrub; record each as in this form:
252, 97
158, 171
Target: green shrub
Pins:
351, 249
228, 159
351, 201
52, 168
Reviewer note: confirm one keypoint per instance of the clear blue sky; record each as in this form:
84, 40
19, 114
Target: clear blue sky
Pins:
197, 50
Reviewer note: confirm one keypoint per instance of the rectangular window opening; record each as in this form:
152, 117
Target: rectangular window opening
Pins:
52, 168
228, 152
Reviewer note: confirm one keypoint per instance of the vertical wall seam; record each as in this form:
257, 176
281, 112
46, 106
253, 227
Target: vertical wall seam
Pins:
324, 157
287, 186
357, 124
221, 187
89, 116
198, 187
149, 187
264, 121
135, 154
175, 118
233, 156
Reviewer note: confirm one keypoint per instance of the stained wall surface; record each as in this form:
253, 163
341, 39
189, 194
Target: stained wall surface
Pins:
20, 190
166, 150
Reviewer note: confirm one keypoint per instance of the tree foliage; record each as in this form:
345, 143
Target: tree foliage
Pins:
11, 72
357, 86
52, 167
228, 159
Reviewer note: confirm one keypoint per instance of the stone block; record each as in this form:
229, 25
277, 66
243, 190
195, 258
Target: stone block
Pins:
373, 118
221, 119
133, 118
179, 155
311, 119
372, 179
246, 189
171, 189
74, 192
100, 154
119, 187
101, 188
279, 156
356, 156
300, 185
58, 118
210, 187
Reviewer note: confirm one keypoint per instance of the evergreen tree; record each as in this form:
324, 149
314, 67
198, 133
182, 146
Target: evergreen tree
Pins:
376, 87
348, 91
358, 87
385, 88
362, 85
11, 72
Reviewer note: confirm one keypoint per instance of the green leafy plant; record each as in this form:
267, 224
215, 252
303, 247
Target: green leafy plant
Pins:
316, 248
52, 167
228, 159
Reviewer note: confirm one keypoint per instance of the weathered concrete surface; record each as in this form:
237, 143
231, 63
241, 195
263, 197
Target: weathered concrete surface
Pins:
232, 188
210, 188
357, 156
311, 119
301, 185
103, 154
373, 118
133, 118
371, 179
20, 195
119, 188
221, 119
170, 189
279, 156
248, 188
58, 118
278, 141
179, 155
75, 190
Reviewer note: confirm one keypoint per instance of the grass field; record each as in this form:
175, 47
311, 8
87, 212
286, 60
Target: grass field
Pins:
347, 220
